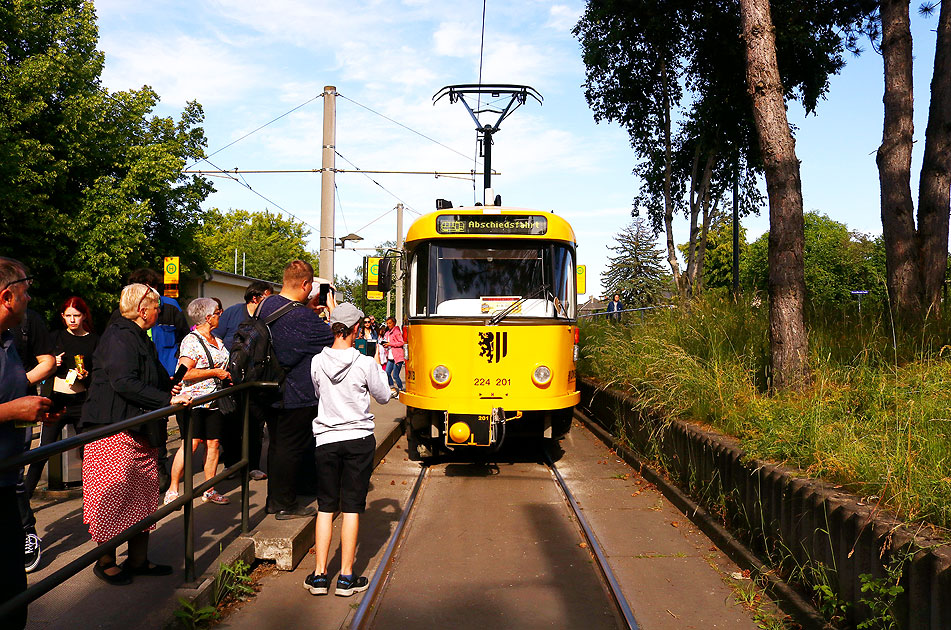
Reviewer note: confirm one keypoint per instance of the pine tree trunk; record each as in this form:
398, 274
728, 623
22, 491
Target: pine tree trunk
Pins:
789, 342
894, 161
934, 189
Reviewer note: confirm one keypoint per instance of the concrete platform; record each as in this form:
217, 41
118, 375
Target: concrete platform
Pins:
86, 602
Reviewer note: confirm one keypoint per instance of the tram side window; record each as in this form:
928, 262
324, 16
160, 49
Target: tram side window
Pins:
564, 285
419, 281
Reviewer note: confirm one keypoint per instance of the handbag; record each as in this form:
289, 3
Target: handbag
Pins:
226, 404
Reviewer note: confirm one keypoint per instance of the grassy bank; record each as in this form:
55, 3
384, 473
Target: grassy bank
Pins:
877, 418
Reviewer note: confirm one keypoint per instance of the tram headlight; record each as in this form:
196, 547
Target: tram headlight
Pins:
441, 375
541, 376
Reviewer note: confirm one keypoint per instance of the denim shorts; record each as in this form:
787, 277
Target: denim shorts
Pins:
343, 474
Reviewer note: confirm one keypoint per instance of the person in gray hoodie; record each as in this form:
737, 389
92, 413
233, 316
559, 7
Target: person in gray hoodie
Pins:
344, 380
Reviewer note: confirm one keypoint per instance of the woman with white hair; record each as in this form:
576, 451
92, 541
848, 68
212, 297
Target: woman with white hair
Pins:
120, 472
206, 358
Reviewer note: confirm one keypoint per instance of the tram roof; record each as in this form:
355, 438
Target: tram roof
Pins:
477, 222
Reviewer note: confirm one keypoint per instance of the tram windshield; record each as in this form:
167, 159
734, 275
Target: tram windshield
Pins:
478, 279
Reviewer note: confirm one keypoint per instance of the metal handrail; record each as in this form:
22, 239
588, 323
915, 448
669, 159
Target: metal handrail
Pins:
35, 591
627, 310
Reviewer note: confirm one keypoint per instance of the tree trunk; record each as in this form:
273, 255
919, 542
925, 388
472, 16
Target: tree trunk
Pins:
894, 161
789, 341
934, 189
668, 197
699, 207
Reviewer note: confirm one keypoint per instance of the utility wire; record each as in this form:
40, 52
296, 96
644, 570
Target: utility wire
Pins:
258, 129
392, 194
270, 201
396, 122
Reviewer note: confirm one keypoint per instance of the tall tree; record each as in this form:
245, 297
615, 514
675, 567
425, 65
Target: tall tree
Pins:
264, 242
651, 62
916, 257
789, 341
89, 179
635, 268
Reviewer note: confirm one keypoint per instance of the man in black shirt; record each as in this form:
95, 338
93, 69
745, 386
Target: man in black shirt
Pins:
32, 339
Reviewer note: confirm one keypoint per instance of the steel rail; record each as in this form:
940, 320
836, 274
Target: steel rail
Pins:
361, 618
619, 600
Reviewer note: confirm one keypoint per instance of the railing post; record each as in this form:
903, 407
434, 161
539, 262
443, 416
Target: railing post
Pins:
187, 478
246, 470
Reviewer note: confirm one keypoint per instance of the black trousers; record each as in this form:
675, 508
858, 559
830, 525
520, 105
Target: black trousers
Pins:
290, 455
12, 574
231, 440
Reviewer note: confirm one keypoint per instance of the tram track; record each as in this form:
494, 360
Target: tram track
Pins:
374, 599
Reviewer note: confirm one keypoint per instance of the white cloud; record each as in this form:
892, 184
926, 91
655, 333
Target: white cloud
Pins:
179, 68
562, 17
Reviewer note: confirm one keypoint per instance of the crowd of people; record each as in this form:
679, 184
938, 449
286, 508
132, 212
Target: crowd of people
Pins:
319, 428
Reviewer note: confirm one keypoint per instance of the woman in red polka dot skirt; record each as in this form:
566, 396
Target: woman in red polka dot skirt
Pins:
120, 473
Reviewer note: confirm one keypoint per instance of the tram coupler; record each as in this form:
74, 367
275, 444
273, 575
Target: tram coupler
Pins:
463, 429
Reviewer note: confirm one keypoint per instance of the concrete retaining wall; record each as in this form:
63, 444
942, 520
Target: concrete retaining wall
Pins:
776, 508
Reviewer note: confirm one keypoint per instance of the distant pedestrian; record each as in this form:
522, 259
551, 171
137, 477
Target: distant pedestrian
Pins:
615, 307
344, 381
394, 354
297, 336
237, 313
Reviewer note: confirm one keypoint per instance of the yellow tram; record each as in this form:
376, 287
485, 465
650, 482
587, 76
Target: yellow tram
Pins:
491, 333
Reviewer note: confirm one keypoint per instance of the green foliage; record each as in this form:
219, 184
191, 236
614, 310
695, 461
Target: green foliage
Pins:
266, 242
232, 581
718, 260
836, 262
90, 179
875, 420
635, 270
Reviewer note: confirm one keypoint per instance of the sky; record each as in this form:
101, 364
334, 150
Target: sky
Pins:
250, 62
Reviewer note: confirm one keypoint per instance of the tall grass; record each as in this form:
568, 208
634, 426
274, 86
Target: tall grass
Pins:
876, 419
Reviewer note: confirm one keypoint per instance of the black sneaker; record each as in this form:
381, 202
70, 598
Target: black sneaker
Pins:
348, 586
317, 584
32, 552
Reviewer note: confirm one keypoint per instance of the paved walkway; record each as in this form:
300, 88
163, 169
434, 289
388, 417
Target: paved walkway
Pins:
86, 602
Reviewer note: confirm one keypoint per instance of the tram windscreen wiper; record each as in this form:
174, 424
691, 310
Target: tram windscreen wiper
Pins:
511, 307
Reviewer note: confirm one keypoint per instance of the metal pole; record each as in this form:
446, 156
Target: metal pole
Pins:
246, 471
235, 261
327, 162
189, 507
487, 154
244, 263
399, 264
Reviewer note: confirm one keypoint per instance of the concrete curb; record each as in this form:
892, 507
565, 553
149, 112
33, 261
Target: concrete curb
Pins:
792, 602
284, 542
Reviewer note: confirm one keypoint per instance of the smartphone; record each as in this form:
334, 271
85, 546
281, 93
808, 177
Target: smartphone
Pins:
322, 295
179, 374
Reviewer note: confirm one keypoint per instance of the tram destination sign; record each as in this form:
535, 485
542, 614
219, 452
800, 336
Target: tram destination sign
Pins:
532, 225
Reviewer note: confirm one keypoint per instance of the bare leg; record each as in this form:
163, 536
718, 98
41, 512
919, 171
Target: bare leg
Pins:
178, 466
213, 450
348, 541
325, 530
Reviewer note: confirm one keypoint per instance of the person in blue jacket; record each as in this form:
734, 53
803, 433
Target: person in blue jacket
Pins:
615, 307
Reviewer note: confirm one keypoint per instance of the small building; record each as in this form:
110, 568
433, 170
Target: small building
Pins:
227, 287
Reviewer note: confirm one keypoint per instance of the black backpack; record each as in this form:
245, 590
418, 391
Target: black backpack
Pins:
252, 351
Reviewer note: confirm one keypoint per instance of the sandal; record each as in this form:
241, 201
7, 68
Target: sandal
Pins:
148, 568
213, 496
122, 578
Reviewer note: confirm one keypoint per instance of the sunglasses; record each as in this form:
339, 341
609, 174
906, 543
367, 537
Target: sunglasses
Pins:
28, 280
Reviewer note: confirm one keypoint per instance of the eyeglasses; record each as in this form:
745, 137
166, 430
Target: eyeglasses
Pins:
154, 295
216, 313
28, 280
